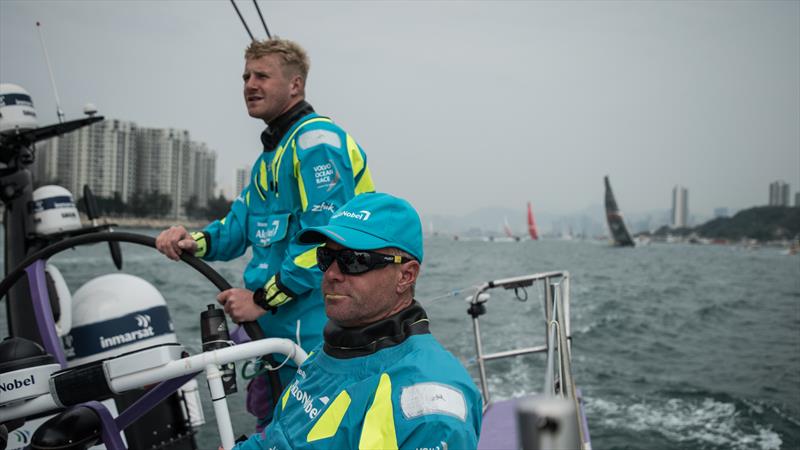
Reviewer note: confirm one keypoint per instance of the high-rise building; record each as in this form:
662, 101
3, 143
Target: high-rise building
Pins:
161, 160
45, 166
241, 180
779, 193
721, 212
205, 173
797, 199
680, 207
171, 163
118, 158
101, 155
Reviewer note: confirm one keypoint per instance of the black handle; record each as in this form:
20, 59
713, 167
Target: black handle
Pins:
116, 254
90, 203
253, 330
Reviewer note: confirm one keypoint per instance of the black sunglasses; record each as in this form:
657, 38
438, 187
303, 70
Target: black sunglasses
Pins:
355, 262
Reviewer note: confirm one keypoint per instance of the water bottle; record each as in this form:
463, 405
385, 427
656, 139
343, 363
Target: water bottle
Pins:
214, 335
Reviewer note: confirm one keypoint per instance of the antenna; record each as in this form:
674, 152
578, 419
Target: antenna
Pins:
269, 36
243, 22
59, 112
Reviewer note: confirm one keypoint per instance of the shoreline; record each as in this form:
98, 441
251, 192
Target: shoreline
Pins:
150, 223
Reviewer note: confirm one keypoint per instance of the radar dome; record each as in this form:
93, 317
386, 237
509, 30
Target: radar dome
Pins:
89, 109
53, 210
16, 109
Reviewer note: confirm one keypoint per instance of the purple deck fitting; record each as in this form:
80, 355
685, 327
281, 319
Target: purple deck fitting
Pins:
111, 437
41, 309
239, 335
150, 399
499, 426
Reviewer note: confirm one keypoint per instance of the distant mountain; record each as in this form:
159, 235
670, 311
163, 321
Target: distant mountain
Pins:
589, 221
485, 221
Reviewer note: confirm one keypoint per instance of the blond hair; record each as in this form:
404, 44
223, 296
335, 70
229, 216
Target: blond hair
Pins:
292, 56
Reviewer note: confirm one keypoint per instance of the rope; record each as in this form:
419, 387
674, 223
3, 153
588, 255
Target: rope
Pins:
453, 293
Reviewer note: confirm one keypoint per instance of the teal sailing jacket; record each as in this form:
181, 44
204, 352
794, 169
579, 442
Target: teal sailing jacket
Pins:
414, 395
316, 168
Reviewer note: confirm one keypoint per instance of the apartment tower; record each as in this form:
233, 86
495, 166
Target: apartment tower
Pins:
680, 207
779, 193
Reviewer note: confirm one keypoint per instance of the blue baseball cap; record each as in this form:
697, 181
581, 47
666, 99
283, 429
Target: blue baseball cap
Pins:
370, 221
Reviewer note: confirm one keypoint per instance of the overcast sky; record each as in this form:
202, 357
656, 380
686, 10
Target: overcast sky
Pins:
459, 105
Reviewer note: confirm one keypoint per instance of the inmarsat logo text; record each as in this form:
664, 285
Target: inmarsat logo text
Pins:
145, 331
361, 215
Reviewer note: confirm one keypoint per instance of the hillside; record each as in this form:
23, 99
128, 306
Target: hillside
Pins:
764, 223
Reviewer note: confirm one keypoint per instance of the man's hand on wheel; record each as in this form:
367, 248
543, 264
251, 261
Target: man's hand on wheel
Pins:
175, 240
238, 304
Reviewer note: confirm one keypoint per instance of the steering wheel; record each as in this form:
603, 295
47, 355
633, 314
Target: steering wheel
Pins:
252, 328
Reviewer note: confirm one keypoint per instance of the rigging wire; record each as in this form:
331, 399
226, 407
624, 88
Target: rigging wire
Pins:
243, 22
59, 111
453, 293
269, 36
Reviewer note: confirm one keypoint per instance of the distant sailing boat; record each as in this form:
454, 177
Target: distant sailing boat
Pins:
431, 231
507, 229
615, 222
531, 224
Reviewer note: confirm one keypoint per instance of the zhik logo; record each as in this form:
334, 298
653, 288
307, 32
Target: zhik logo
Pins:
324, 206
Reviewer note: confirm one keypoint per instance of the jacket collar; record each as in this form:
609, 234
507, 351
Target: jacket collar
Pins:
343, 343
272, 135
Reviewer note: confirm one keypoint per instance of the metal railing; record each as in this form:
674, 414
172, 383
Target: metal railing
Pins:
556, 315
557, 347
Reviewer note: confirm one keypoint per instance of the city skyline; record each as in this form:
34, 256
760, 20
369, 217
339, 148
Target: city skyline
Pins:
119, 157
134, 139
484, 104
47, 164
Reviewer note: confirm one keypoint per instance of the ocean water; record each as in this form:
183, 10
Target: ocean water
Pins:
674, 345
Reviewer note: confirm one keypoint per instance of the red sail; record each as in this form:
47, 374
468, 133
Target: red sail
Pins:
532, 224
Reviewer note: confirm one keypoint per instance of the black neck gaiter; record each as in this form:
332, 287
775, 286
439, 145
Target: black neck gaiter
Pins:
343, 343
274, 132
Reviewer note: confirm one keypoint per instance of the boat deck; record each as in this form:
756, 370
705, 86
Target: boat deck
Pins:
499, 427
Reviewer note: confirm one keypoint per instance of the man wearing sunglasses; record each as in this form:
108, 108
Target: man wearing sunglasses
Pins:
380, 380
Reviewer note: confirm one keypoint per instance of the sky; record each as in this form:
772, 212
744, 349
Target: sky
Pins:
459, 105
